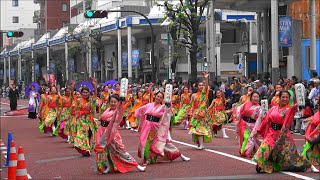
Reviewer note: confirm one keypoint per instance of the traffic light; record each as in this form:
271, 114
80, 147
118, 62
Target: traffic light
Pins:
236, 58
14, 34
96, 14
205, 62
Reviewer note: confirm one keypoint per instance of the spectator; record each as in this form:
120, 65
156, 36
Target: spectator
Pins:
13, 97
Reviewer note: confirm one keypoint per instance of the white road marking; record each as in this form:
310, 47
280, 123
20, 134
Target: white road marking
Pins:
242, 159
9, 104
230, 129
4, 116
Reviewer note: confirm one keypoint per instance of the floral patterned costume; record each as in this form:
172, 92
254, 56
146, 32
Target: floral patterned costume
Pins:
104, 102
201, 121
274, 101
154, 129
218, 114
185, 109
86, 126
65, 115
147, 98
312, 145
248, 122
134, 122
112, 150
52, 102
278, 152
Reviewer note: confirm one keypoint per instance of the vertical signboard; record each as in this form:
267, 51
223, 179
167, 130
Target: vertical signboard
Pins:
285, 31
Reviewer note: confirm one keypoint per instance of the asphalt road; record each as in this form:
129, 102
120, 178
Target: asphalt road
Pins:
52, 158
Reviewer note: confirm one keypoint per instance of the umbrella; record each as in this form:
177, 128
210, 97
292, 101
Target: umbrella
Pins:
85, 83
28, 89
112, 82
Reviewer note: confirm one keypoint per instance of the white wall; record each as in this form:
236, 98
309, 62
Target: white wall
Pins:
24, 11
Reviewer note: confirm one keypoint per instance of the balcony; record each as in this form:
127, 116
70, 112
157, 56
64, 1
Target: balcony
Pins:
39, 15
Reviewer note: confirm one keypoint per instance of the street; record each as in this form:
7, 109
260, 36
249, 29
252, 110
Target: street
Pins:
52, 158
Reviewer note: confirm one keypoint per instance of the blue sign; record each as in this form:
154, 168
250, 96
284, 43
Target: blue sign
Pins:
52, 67
37, 70
135, 58
124, 57
12, 72
285, 31
71, 65
95, 63
239, 67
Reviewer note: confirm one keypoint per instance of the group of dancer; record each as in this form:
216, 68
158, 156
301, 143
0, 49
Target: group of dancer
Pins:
90, 121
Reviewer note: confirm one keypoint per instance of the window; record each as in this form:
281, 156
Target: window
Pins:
64, 7
15, 3
15, 19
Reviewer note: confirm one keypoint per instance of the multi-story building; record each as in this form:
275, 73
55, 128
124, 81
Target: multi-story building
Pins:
52, 15
78, 7
14, 15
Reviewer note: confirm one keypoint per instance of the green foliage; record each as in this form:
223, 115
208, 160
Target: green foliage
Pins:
185, 18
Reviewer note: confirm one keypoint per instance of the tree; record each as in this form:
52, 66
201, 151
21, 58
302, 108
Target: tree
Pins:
186, 20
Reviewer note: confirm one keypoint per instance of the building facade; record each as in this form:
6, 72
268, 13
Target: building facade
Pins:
14, 15
52, 15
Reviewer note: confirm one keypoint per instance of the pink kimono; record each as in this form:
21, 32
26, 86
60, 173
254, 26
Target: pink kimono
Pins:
109, 145
153, 135
248, 120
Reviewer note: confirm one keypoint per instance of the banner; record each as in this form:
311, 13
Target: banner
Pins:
285, 31
37, 70
124, 58
71, 65
12, 72
135, 58
52, 67
95, 63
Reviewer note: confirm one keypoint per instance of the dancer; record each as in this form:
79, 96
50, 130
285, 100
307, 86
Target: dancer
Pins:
275, 99
33, 103
154, 129
248, 122
183, 115
218, 114
43, 109
278, 152
86, 126
147, 95
312, 147
65, 112
201, 121
51, 101
111, 154
104, 100
127, 106
245, 98
134, 122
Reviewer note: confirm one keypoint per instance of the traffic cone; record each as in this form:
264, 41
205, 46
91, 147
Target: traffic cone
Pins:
21, 166
13, 162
